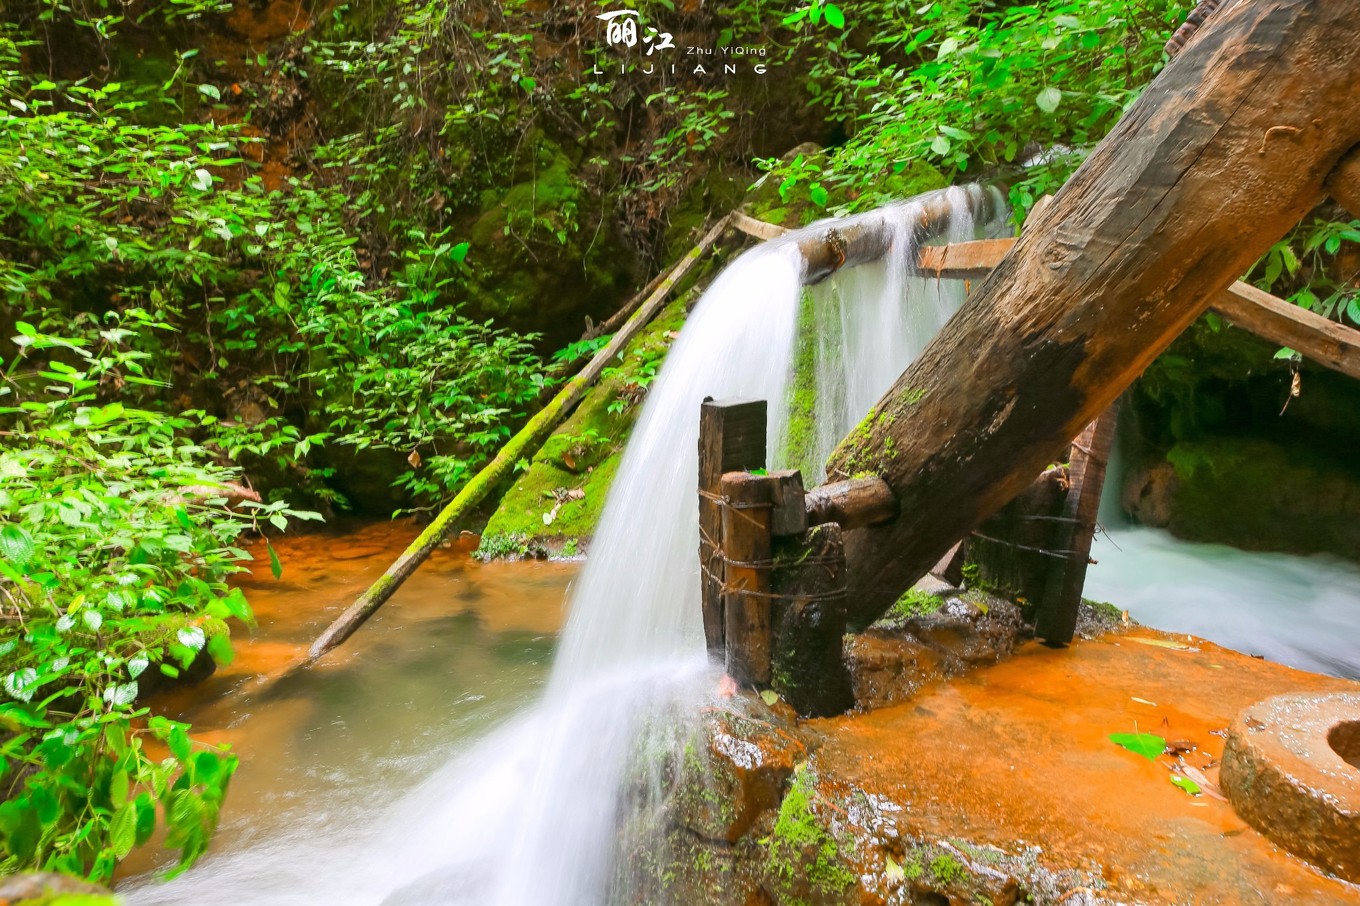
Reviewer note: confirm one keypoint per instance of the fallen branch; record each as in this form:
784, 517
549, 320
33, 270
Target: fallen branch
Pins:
523, 444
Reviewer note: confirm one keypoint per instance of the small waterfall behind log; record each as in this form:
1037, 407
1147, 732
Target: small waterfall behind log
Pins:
531, 814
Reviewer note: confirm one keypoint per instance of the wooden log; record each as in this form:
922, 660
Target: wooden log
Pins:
808, 667
747, 548
1219, 157
852, 504
1344, 183
524, 444
1061, 602
757, 229
827, 249
731, 438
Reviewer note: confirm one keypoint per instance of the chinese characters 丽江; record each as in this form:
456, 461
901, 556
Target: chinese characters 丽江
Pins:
622, 28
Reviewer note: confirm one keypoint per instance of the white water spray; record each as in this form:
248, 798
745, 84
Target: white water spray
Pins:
530, 815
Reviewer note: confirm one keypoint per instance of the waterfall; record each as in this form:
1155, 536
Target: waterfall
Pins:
530, 815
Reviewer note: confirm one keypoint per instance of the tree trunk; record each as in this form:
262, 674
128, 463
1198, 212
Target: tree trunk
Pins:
1225, 151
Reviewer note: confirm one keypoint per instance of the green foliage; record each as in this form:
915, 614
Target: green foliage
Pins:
916, 603
508, 546
1309, 268
117, 223
115, 549
968, 85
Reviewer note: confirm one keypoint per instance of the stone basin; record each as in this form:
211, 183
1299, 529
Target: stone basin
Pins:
1291, 768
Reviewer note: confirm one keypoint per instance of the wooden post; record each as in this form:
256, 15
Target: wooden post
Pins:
808, 662
1227, 149
747, 549
1057, 621
731, 437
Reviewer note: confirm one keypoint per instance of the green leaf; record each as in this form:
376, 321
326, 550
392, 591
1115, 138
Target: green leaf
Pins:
1049, 99
275, 566
123, 830
191, 637
1186, 784
120, 695
941, 145
202, 180
16, 546
1284, 352
137, 666
1149, 745
818, 194
459, 252
834, 15
769, 697
19, 684
210, 91
527, 84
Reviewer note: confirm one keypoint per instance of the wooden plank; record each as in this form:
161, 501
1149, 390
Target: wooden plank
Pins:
963, 260
1319, 339
1316, 338
1226, 151
1061, 603
747, 549
731, 437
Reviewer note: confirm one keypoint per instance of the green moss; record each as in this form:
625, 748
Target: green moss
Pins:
913, 395
1240, 491
570, 475
801, 851
946, 869
800, 438
915, 603
72, 899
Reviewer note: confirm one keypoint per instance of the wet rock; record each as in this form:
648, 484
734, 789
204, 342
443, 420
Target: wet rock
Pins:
733, 773
1148, 492
1290, 770
894, 658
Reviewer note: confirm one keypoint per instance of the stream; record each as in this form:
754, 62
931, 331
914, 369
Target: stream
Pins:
460, 750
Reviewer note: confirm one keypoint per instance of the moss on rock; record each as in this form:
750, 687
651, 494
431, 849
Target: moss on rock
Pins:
559, 495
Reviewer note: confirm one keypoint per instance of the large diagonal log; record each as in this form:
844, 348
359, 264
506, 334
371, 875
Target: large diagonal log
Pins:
1226, 150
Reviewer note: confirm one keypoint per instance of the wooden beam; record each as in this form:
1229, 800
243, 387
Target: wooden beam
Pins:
1316, 338
731, 438
1225, 151
1319, 339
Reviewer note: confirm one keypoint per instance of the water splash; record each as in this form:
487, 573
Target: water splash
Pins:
531, 813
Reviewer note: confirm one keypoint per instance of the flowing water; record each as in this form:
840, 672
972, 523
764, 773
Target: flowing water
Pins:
529, 813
